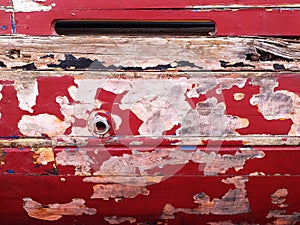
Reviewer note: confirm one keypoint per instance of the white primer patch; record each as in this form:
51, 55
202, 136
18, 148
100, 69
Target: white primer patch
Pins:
27, 91
42, 124
30, 6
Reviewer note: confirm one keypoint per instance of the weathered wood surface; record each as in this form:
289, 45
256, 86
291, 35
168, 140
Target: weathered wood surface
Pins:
138, 53
200, 130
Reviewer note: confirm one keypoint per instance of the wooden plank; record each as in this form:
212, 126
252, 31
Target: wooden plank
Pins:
139, 53
192, 108
200, 130
205, 199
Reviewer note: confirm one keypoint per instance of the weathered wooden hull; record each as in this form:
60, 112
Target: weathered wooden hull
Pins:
147, 129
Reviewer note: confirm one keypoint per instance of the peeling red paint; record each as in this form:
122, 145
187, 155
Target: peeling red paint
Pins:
200, 130
54, 212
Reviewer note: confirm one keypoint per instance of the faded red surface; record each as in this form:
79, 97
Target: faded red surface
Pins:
41, 182
277, 19
181, 148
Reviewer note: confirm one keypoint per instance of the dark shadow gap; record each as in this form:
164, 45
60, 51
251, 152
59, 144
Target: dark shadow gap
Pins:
86, 27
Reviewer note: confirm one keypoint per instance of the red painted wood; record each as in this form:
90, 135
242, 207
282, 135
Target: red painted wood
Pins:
5, 23
271, 21
277, 160
235, 23
159, 4
49, 190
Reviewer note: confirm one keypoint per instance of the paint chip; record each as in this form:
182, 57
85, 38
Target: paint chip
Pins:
56, 211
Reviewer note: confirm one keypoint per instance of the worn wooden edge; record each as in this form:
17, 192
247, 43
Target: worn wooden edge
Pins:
136, 141
149, 53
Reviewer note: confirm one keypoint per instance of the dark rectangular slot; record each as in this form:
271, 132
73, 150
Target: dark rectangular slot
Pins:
85, 27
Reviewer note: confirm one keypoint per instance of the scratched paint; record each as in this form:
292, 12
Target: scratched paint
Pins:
56, 211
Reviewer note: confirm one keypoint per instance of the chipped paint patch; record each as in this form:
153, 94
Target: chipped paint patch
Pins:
209, 119
84, 95
232, 203
118, 191
118, 121
27, 91
216, 163
229, 222
278, 197
160, 104
282, 218
238, 96
119, 220
56, 211
42, 156
42, 124
140, 162
78, 158
277, 105
30, 6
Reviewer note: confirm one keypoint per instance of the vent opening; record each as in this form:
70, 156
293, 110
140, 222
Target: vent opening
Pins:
85, 27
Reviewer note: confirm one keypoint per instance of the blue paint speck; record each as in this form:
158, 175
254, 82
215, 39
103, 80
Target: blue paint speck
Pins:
13, 25
3, 27
188, 147
10, 171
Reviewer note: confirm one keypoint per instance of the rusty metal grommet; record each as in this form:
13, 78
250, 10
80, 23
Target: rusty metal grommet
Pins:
98, 125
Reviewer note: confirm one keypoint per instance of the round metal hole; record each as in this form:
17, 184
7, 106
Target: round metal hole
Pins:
101, 125
98, 125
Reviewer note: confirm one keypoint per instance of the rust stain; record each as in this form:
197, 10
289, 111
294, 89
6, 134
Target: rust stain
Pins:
42, 156
232, 203
118, 191
119, 220
54, 212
